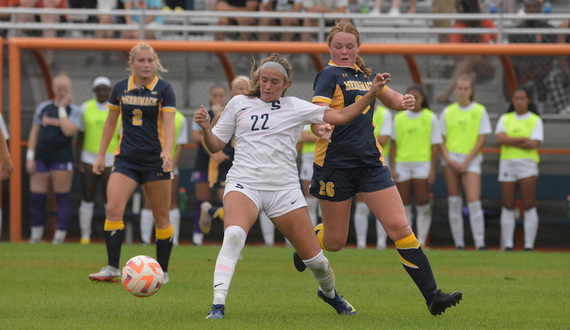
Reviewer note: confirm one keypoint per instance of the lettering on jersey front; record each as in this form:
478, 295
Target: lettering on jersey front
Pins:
352, 85
275, 105
259, 122
139, 100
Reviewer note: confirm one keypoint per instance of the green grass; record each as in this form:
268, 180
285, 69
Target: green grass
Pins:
46, 287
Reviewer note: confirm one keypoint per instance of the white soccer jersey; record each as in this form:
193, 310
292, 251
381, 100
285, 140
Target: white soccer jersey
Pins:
266, 135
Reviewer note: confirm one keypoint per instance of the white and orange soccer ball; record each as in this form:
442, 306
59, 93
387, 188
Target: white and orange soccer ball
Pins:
142, 276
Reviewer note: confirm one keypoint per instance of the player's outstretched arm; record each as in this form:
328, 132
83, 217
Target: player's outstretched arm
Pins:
202, 118
348, 113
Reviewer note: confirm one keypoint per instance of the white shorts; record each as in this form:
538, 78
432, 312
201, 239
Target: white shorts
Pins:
306, 172
513, 170
412, 170
106, 5
473, 166
274, 203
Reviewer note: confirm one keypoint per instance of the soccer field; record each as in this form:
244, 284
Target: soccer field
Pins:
46, 287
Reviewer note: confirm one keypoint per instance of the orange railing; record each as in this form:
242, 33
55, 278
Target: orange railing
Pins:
16, 45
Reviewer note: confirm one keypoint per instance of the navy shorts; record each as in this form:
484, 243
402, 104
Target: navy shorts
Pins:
339, 184
44, 167
198, 176
142, 177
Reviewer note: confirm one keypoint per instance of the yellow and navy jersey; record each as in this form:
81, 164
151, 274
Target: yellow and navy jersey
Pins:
142, 133
353, 144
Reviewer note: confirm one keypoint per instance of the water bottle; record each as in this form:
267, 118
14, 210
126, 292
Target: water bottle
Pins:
493, 7
365, 9
182, 199
547, 9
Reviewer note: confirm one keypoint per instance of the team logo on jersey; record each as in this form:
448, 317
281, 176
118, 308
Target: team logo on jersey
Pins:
357, 85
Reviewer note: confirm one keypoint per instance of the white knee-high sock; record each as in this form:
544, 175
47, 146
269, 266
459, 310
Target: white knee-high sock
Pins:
37, 233
323, 273
267, 229
361, 212
147, 223
381, 236
175, 221
234, 241
477, 221
507, 228
456, 220
313, 207
197, 238
85, 218
423, 222
530, 227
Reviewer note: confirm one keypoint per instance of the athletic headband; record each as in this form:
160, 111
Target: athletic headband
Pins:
101, 81
276, 66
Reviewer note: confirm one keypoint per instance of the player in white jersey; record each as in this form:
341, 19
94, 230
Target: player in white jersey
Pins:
266, 126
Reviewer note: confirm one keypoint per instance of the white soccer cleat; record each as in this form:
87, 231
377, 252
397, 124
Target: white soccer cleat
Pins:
106, 274
205, 221
165, 278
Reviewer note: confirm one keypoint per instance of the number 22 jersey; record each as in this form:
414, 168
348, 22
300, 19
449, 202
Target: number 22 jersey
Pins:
266, 134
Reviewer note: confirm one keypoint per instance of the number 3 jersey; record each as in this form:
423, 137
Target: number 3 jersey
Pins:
265, 138
142, 131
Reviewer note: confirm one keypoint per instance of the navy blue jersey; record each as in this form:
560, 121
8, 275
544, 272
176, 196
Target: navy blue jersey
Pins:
353, 144
202, 156
142, 134
53, 145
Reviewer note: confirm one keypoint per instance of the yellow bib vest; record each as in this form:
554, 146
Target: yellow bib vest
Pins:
308, 146
413, 137
519, 128
178, 119
93, 122
378, 120
462, 128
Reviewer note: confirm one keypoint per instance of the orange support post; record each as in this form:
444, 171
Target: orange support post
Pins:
15, 142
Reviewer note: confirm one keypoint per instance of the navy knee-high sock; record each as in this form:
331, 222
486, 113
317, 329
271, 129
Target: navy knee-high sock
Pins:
63, 213
417, 265
114, 236
38, 209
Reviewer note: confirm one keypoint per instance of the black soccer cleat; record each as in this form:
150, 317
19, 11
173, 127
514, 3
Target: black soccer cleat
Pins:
217, 312
341, 306
442, 301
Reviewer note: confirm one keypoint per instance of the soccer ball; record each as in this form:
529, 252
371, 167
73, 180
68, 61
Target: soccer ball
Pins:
142, 276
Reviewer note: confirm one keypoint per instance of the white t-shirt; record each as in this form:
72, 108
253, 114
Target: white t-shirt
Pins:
266, 135
537, 132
